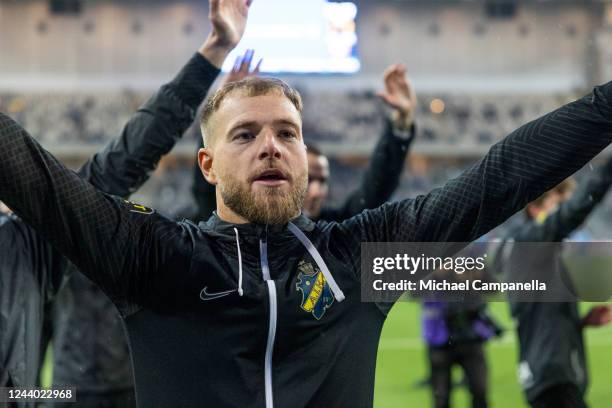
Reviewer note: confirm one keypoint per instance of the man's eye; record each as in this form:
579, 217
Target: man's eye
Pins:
244, 136
287, 134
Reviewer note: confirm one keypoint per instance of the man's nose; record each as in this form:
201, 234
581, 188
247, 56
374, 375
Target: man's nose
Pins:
269, 146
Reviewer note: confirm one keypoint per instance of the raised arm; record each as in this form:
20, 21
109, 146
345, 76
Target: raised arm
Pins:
112, 241
119, 169
387, 162
127, 161
572, 213
525, 164
125, 164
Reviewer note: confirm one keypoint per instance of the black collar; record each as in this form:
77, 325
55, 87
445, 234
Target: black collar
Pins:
218, 226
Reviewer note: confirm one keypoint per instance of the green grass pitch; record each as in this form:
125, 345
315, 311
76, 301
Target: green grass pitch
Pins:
402, 362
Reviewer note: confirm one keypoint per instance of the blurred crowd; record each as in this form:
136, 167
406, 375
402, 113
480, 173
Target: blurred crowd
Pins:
444, 120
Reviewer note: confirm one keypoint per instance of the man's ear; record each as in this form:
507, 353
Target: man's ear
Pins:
205, 161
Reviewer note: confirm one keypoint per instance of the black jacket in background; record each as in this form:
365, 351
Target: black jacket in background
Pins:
377, 185
32, 271
228, 315
551, 346
90, 349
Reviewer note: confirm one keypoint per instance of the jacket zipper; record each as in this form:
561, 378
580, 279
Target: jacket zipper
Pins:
263, 251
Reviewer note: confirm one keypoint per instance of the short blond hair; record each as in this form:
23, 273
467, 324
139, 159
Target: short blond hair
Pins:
251, 86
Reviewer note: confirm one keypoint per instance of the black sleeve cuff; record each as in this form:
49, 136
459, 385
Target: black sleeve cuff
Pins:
402, 135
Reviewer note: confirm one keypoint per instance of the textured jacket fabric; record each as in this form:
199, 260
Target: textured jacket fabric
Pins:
377, 185
32, 271
90, 348
254, 315
551, 345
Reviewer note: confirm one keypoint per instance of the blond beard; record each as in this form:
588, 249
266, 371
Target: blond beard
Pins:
270, 206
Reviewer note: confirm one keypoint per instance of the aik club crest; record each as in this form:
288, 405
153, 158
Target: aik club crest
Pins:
316, 294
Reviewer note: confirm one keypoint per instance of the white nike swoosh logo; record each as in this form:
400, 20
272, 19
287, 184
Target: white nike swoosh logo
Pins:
205, 295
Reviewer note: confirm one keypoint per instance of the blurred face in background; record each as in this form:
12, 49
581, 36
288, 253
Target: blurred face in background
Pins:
545, 205
318, 188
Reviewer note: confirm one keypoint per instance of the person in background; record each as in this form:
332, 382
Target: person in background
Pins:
552, 360
455, 332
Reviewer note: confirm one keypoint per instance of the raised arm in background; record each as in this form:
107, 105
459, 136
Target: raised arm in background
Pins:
525, 164
382, 176
127, 161
79, 220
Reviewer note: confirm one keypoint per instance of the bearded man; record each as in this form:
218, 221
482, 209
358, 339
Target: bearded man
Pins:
243, 310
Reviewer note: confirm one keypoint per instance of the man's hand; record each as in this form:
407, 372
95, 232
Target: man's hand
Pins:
399, 95
597, 316
228, 19
242, 68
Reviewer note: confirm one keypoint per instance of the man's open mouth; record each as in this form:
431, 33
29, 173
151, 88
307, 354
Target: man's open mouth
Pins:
271, 177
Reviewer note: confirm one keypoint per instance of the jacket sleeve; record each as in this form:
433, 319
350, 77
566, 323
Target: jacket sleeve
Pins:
572, 213
127, 161
525, 164
204, 193
123, 247
380, 179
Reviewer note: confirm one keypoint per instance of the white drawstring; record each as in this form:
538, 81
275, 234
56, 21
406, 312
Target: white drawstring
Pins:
319, 261
338, 294
240, 292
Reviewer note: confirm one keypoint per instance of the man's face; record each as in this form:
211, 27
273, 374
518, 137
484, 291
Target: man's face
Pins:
259, 158
318, 177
